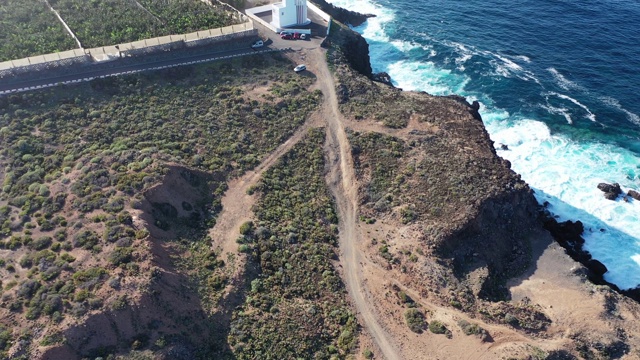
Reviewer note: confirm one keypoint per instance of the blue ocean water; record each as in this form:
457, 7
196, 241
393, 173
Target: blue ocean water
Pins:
558, 82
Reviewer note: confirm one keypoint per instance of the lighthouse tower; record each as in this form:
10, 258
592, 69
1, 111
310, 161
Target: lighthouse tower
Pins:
289, 13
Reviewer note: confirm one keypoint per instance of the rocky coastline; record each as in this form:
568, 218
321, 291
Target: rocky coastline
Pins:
568, 234
344, 16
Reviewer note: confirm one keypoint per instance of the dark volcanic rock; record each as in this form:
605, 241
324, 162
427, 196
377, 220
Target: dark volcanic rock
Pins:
382, 77
474, 107
610, 196
596, 267
632, 293
611, 191
342, 93
343, 15
564, 232
634, 194
353, 47
615, 187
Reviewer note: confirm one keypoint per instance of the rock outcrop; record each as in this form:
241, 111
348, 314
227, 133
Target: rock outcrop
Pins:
474, 107
634, 194
382, 77
611, 191
352, 47
343, 15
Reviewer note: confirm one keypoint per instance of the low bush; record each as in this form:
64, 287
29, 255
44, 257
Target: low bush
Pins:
415, 320
437, 327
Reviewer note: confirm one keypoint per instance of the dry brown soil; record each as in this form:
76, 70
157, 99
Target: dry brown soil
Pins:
577, 308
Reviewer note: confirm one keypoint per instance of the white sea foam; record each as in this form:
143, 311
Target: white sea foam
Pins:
505, 67
566, 174
464, 58
425, 76
563, 82
614, 103
508, 63
562, 172
558, 111
591, 116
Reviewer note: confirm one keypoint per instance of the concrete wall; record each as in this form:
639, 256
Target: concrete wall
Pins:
260, 9
322, 14
144, 47
317, 10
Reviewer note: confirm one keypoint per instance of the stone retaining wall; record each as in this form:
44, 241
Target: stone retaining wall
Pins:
13, 68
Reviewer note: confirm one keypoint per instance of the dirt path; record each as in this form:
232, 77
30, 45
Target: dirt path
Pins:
237, 204
342, 183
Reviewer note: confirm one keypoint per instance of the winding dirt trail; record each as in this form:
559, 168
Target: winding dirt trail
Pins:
341, 180
237, 204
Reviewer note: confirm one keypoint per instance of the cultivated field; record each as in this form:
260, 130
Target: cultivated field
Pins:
28, 27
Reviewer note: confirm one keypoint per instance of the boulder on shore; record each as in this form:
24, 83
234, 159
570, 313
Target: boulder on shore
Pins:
596, 267
567, 231
634, 194
382, 77
611, 191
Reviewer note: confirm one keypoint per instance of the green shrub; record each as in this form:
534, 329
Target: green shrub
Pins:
52, 339
246, 228
437, 327
511, 320
5, 338
471, 329
415, 320
41, 243
89, 276
120, 303
86, 239
121, 255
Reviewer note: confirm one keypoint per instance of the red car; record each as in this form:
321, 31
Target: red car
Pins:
296, 36
286, 37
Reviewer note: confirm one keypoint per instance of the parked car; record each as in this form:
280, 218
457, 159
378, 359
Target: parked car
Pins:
257, 44
286, 37
300, 68
296, 35
303, 36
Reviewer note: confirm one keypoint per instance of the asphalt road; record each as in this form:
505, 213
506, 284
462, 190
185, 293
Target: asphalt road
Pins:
90, 73
127, 69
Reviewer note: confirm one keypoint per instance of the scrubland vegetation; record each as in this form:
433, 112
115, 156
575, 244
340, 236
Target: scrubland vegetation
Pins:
297, 305
76, 162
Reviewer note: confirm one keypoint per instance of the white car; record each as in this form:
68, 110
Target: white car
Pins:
257, 44
300, 68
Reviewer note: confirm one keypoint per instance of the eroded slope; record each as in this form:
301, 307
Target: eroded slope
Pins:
108, 188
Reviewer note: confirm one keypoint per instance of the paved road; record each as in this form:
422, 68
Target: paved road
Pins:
92, 73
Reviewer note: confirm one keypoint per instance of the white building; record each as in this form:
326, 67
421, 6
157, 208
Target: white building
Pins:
289, 13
